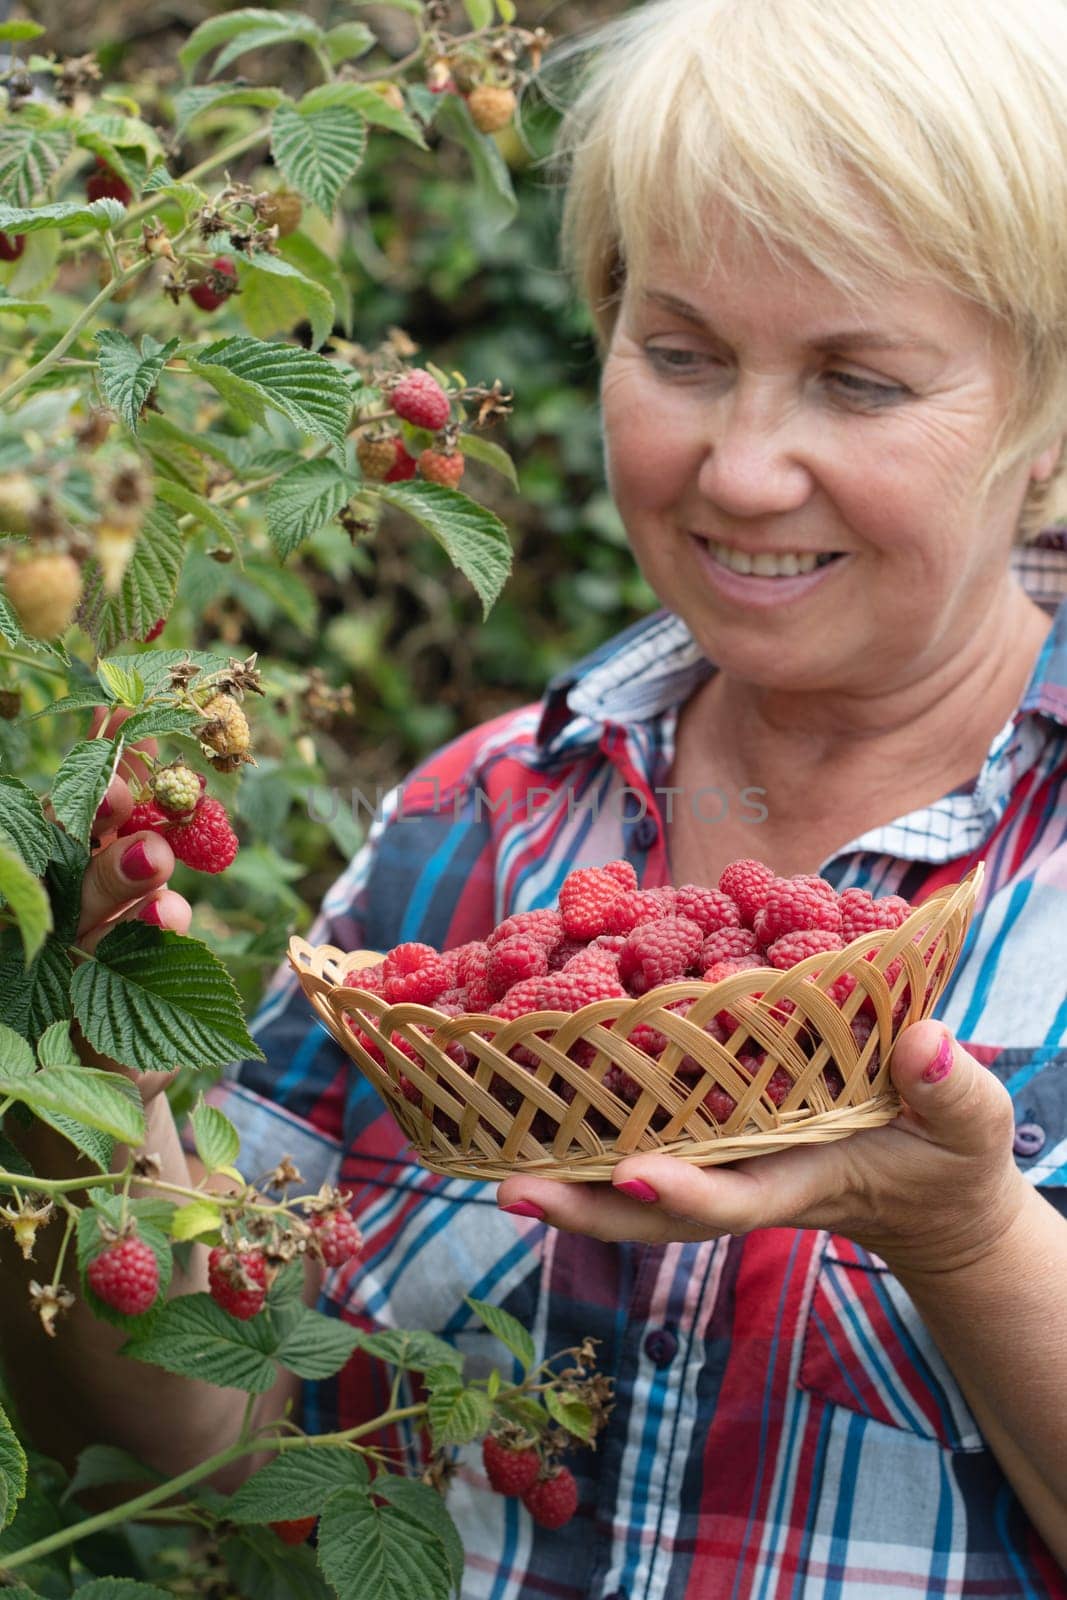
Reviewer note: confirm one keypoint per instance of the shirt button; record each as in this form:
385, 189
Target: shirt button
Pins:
661, 1347
1029, 1139
646, 832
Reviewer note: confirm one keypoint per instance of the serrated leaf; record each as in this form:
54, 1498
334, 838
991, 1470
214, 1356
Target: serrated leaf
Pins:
33, 997
31, 150
55, 1047
16, 1057
195, 1338
148, 585
490, 454
495, 200
158, 1000
99, 214
371, 1552
63, 880
456, 1413
155, 720
314, 263
97, 1147
176, 454
348, 42
318, 151
122, 1589
79, 784
316, 1346
275, 297
25, 824
105, 1463
302, 501
80, 700
198, 1217
507, 1329
217, 1140
410, 1349
99, 1099
425, 1505
297, 1483
26, 898
125, 685
12, 1470
473, 538
128, 375
191, 103
574, 1415
9, 622
198, 507
369, 103
258, 1563
238, 25
155, 666
303, 386
526, 1412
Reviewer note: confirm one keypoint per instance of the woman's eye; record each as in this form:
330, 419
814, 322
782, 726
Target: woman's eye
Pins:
672, 360
878, 392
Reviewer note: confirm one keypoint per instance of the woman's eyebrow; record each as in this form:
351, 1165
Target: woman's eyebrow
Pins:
842, 338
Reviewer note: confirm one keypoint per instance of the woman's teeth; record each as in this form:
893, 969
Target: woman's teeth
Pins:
767, 566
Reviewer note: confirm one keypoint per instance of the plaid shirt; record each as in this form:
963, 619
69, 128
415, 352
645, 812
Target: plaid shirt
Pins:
785, 1425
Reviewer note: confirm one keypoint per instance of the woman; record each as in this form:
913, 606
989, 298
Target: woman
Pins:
823, 241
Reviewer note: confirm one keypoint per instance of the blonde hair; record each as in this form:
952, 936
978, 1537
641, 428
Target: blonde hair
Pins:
820, 123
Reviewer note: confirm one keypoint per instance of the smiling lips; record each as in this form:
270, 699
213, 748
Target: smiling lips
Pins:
788, 564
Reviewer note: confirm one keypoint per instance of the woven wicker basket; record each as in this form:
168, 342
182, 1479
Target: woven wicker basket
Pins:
550, 1114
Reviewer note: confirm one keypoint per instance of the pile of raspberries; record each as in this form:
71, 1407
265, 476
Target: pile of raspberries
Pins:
609, 939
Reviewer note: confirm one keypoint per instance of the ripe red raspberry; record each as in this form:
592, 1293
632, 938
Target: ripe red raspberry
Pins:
623, 872
337, 1235
377, 457
217, 285
145, 814
125, 1275
437, 466
470, 960
422, 985
520, 1000
710, 908
105, 184
722, 1105
419, 399
237, 1281
552, 1501
659, 952
544, 925
862, 913
479, 994
634, 907
726, 969
405, 958
593, 956
792, 904
370, 978
296, 1531
793, 947
403, 467
584, 898
521, 956
511, 1469
11, 246
573, 988
154, 631
746, 882
206, 842
729, 942
565, 951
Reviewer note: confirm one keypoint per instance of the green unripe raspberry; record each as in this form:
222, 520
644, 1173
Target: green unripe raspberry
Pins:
177, 788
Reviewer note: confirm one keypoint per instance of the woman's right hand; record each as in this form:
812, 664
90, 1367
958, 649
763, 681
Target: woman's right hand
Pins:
126, 879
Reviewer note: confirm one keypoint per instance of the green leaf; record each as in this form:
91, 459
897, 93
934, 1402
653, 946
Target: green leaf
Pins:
195, 1338
507, 11
79, 784
122, 1589
25, 823
474, 539
507, 1329
297, 1483
423, 1504
410, 1349
203, 511
304, 500
318, 151
12, 1470
63, 880
99, 1099
148, 585
317, 1346
368, 103
12, 307
574, 1415
303, 386
99, 214
251, 20
55, 1047
31, 998
455, 1412
32, 149
490, 454
348, 42
275, 297
105, 1463
495, 199
154, 720
314, 263
16, 1057
217, 1140
371, 1552
198, 1217
26, 898
16, 32
480, 13
155, 667
158, 1000
92, 695
259, 1564
128, 376
125, 686
191, 103
97, 1147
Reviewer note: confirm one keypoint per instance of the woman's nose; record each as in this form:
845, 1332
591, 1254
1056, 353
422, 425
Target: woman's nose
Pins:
756, 459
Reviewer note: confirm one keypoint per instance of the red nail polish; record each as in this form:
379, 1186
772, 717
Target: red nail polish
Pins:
135, 863
941, 1065
637, 1189
525, 1208
151, 913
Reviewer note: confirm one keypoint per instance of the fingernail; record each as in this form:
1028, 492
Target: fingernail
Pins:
637, 1189
150, 913
941, 1065
135, 862
103, 810
525, 1208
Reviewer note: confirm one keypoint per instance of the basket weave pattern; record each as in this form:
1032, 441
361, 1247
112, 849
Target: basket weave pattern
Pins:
480, 1113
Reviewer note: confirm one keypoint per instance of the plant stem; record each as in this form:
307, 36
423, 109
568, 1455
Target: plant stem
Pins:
72, 1218
32, 661
61, 1185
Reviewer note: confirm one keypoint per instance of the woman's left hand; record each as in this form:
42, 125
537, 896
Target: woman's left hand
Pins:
926, 1192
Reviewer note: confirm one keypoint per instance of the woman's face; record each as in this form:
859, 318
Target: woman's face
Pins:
754, 411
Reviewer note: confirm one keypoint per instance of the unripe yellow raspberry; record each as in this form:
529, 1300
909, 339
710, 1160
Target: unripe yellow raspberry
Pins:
44, 590
227, 731
177, 788
491, 107
376, 457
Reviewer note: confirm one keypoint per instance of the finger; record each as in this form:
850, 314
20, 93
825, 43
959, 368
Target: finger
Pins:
167, 909
122, 872
114, 808
951, 1099
596, 1210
